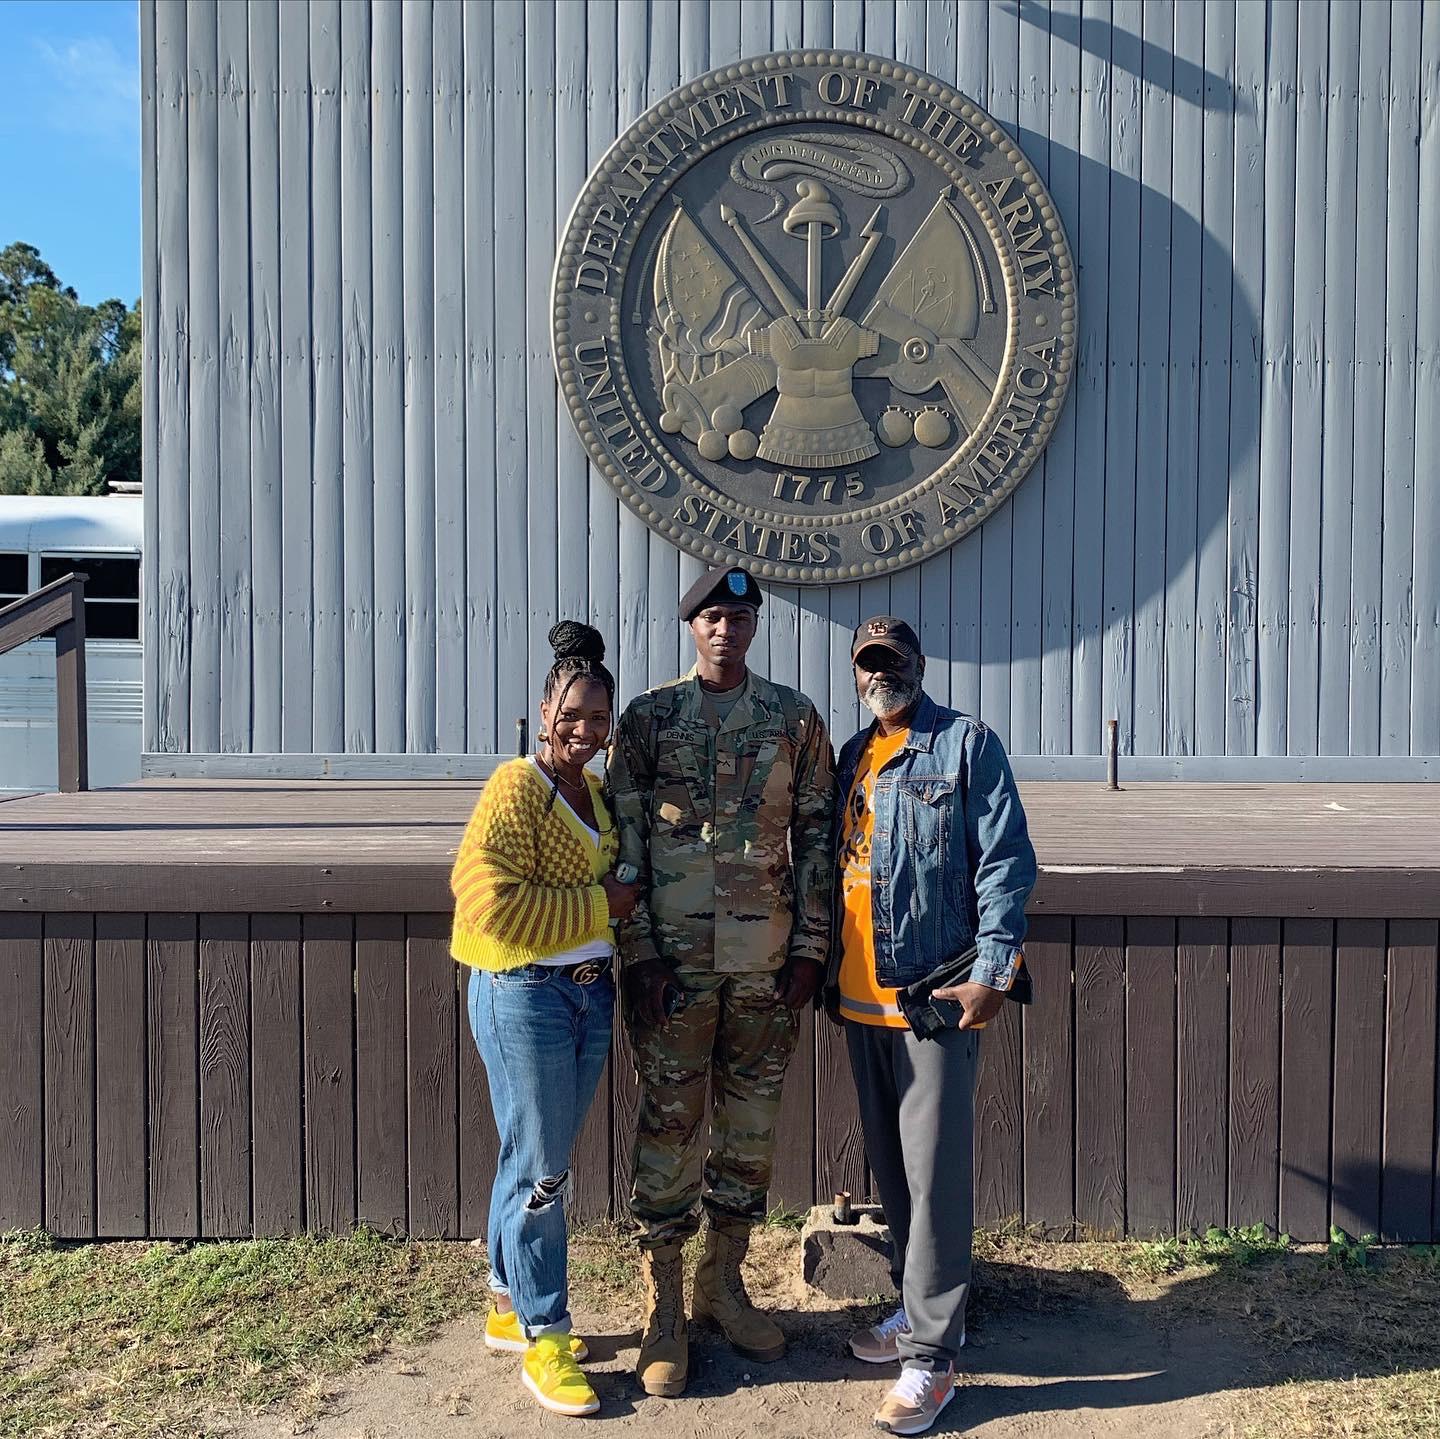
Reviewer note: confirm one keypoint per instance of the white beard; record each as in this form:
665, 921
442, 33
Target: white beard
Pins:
886, 696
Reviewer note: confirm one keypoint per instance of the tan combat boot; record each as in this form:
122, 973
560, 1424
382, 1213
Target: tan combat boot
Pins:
720, 1295
664, 1361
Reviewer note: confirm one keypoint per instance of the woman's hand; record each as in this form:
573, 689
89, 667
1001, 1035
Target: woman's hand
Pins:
619, 897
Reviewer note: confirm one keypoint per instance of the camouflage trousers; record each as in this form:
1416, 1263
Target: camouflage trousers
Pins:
734, 1038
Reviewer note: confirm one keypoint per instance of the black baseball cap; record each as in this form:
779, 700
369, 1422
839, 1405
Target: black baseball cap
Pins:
887, 632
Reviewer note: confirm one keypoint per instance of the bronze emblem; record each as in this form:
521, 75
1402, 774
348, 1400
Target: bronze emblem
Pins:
815, 315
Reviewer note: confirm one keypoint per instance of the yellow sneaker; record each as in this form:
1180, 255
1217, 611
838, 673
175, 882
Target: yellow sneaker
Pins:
503, 1334
551, 1374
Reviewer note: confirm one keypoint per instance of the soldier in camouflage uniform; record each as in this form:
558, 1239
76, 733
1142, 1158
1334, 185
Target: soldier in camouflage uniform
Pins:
723, 787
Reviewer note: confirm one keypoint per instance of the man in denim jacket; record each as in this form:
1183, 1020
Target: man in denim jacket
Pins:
932, 860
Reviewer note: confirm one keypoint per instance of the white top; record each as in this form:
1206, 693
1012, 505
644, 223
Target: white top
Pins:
592, 948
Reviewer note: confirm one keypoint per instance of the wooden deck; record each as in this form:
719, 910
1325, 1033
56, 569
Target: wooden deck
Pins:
227, 1008
385, 847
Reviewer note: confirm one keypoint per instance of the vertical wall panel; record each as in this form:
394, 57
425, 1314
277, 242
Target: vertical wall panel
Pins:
512, 681
1302, 695
1120, 459
481, 731
1371, 282
1412, 977
69, 1069
203, 469
417, 125
1247, 252
1254, 1070
265, 537
296, 399
120, 1033
997, 534
1213, 457
234, 561
388, 376
22, 1107
327, 349
451, 679
356, 378
538, 161
1100, 1075
1307, 1035
1152, 393
1150, 1077
1338, 416
277, 1156
1202, 1085
1397, 533
1360, 1058
1272, 588
1049, 1078
225, 1076
381, 1132
1089, 231
366, 503
173, 1074
1425, 675
167, 559
150, 342
1183, 411
1030, 576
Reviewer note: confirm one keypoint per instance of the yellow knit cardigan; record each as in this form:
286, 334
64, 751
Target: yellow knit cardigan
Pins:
525, 881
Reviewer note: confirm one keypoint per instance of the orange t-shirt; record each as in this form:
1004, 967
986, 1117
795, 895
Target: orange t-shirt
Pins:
862, 998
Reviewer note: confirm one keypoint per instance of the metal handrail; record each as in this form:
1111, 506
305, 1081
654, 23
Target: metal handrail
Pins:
58, 609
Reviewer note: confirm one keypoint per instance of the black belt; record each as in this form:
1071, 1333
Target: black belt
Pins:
586, 972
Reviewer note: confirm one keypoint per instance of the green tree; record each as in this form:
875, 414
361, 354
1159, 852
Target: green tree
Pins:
69, 384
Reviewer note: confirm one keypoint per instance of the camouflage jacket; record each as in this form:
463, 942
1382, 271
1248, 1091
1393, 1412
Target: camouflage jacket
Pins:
729, 828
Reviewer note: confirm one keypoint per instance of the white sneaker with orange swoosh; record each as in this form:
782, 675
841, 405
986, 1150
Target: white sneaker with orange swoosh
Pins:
916, 1400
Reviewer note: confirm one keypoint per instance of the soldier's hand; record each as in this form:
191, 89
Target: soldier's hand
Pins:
979, 1002
798, 980
619, 897
645, 990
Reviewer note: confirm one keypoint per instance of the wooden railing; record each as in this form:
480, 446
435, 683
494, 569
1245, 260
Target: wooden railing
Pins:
58, 609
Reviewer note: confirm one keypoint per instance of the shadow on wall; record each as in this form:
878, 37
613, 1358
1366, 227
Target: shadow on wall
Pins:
1105, 586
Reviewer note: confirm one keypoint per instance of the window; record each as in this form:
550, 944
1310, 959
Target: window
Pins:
112, 592
14, 577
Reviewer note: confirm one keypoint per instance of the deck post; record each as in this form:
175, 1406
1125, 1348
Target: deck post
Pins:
72, 730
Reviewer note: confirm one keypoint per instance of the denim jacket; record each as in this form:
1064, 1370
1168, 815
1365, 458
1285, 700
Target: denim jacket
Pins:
951, 862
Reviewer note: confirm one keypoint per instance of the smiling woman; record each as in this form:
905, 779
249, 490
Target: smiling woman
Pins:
534, 899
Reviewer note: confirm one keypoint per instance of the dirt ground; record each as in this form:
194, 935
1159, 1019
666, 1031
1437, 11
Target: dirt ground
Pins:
1074, 1358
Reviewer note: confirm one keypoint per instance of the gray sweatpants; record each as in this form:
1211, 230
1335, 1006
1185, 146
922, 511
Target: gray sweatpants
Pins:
917, 1108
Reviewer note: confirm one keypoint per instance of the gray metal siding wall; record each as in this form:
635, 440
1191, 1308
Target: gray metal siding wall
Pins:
366, 504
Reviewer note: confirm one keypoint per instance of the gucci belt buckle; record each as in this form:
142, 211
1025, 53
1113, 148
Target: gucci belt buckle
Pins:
588, 972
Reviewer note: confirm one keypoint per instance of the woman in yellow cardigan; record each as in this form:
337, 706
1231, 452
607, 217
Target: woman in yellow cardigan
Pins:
534, 898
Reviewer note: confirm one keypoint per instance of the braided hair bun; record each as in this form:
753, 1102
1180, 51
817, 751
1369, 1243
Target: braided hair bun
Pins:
572, 640
579, 654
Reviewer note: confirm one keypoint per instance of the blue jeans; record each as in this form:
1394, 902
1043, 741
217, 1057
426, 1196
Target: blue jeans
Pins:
543, 1039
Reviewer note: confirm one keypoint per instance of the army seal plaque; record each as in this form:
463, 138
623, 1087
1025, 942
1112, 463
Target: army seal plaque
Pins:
814, 314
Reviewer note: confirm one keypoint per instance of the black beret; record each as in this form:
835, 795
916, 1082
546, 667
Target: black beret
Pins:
730, 586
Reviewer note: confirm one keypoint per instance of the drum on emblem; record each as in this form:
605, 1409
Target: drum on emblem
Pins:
814, 314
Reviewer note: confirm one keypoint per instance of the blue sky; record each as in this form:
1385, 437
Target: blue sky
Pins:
70, 139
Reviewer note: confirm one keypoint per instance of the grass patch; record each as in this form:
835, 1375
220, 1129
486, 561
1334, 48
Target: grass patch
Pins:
1238, 1246
145, 1338
149, 1339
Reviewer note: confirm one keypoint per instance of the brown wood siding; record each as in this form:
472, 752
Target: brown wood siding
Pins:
287, 1072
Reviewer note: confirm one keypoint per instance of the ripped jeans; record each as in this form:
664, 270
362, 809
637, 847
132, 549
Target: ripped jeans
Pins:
543, 1039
